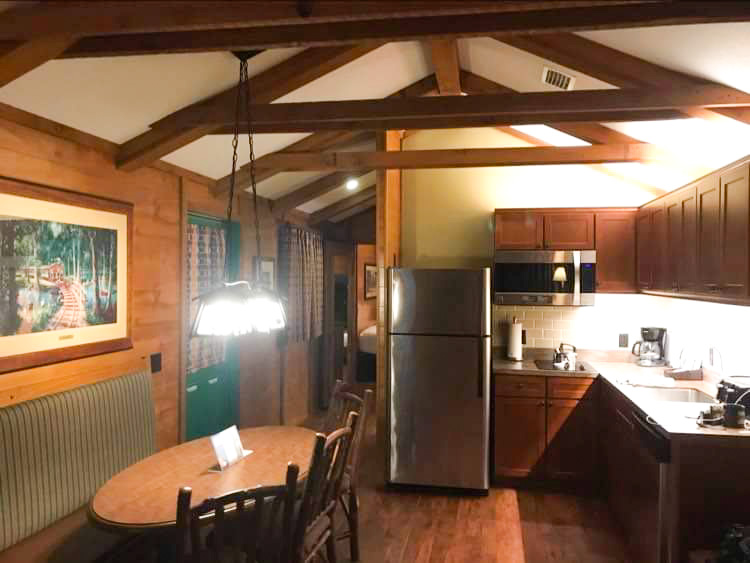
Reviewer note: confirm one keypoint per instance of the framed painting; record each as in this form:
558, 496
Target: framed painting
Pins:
65, 275
267, 267
371, 281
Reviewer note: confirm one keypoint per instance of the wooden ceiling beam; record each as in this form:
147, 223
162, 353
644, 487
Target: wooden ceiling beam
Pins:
600, 168
355, 210
463, 158
614, 67
224, 27
313, 190
323, 140
444, 54
342, 206
170, 134
107, 17
504, 108
28, 55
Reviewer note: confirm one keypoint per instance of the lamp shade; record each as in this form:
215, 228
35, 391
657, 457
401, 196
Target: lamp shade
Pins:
236, 309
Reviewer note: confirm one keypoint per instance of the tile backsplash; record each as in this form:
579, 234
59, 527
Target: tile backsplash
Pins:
693, 327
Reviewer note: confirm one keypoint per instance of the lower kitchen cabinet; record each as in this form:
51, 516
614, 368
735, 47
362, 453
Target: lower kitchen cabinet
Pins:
550, 436
519, 436
571, 450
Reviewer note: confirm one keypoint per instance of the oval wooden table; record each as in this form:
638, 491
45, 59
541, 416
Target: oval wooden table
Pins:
145, 494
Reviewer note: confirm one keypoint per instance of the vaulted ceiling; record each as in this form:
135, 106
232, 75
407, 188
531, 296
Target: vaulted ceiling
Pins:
132, 100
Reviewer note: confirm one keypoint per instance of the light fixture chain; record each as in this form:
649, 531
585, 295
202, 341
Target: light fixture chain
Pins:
253, 183
235, 143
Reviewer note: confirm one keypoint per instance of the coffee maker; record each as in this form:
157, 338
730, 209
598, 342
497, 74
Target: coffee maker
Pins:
650, 350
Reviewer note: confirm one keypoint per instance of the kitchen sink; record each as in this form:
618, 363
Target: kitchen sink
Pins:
673, 394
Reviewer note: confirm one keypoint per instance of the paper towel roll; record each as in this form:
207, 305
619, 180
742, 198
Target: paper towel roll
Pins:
514, 340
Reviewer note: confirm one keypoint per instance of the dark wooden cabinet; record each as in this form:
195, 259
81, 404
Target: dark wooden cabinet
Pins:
659, 246
545, 427
615, 245
518, 230
673, 212
571, 439
519, 436
735, 228
644, 253
565, 231
681, 260
708, 200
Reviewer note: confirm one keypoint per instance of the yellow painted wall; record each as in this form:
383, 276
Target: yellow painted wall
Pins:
447, 213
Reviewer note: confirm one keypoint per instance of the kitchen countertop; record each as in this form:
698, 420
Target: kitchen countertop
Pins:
676, 418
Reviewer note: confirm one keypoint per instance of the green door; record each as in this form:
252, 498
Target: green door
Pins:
212, 382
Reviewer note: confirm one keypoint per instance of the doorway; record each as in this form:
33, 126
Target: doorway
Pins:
212, 363
339, 310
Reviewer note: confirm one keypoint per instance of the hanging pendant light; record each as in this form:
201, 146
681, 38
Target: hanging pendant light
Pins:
240, 307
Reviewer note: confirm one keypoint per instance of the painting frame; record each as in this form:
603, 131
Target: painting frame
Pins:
102, 338
267, 271
371, 281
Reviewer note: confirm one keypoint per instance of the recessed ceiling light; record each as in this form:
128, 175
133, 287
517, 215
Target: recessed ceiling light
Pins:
352, 184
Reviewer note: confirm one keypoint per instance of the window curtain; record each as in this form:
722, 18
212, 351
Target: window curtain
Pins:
206, 247
301, 280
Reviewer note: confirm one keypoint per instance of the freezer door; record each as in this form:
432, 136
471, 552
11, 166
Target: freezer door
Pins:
439, 410
439, 301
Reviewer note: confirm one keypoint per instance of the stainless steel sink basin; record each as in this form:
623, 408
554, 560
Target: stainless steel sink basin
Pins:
672, 394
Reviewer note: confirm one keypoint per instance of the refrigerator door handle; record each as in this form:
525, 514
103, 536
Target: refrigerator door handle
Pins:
485, 361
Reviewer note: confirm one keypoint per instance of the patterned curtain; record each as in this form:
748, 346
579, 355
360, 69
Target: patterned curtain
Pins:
206, 247
301, 280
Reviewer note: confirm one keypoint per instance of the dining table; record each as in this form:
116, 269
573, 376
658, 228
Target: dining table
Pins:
144, 495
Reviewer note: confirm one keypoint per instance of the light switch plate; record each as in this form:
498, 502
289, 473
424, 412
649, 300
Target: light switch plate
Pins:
623, 341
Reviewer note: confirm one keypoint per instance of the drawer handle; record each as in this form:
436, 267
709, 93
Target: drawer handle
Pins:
540, 404
192, 388
212, 381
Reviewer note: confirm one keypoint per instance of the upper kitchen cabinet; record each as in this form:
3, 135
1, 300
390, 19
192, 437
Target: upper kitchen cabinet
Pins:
682, 253
645, 261
537, 229
652, 246
709, 233
518, 230
735, 226
615, 245
565, 231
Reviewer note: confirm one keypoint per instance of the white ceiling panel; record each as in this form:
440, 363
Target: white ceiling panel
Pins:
338, 194
212, 155
285, 182
513, 67
118, 97
718, 52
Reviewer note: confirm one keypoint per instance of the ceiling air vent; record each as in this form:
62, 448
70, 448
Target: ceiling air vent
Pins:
558, 79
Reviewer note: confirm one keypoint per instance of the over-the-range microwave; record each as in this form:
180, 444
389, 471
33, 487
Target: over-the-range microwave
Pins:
544, 277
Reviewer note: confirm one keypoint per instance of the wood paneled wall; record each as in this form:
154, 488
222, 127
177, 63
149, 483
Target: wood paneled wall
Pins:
388, 253
160, 197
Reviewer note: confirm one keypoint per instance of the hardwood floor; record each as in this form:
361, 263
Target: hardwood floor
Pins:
508, 526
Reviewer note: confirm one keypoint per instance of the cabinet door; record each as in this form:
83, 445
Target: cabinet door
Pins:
659, 246
687, 254
519, 436
709, 234
615, 256
569, 231
518, 230
644, 258
735, 220
571, 439
673, 211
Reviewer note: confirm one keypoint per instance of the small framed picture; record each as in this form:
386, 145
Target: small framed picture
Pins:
267, 268
371, 281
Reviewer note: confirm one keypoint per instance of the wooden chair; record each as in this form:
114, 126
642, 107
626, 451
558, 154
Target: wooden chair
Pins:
233, 527
345, 400
315, 524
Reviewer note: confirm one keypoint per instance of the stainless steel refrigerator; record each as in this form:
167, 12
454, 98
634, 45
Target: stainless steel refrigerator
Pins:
439, 356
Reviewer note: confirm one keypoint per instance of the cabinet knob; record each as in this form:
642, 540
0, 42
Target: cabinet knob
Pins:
540, 404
